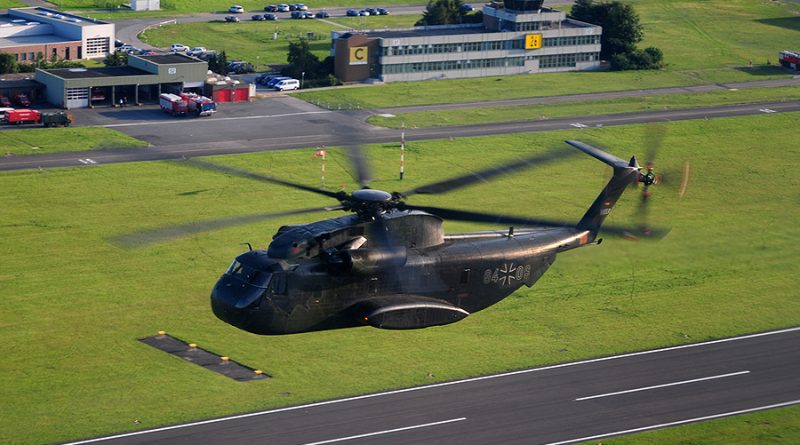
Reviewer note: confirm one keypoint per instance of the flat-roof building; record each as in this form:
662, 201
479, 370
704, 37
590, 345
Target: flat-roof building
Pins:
38, 33
516, 37
141, 81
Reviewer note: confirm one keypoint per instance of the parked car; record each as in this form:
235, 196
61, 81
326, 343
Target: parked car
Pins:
231, 19
4, 102
271, 83
271, 8
270, 17
363, 13
178, 48
383, 11
196, 51
302, 15
352, 13
301, 7
372, 11
241, 67
257, 18
287, 85
467, 7
322, 14
118, 43
283, 7
54, 119
22, 100
125, 48
236, 9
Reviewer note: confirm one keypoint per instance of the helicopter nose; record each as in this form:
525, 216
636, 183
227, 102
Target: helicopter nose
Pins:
238, 304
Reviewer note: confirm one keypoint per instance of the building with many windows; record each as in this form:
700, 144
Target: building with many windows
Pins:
38, 33
516, 37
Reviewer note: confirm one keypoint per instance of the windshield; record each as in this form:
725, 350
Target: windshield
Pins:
249, 275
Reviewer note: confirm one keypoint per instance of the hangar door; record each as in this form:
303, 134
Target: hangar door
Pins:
77, 98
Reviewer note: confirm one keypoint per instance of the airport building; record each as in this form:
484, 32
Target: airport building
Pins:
38, 33
141, 81
516, 37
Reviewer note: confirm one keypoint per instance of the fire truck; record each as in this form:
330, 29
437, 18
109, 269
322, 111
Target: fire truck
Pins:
200, 105
22, 116
789, 59
172, 104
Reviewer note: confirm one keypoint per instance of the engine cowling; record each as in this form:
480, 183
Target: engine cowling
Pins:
366, 261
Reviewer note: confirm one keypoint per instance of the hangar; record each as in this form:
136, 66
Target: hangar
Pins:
141, 81
516, 37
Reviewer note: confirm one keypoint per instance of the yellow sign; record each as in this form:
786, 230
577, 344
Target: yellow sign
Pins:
358, 55
533, 41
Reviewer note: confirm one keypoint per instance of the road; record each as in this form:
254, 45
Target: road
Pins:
558, 404
285, 123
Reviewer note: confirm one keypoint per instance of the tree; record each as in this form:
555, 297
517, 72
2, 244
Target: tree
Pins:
306, 66
621, 27
621, 32
117, 58
444, 12
8, 64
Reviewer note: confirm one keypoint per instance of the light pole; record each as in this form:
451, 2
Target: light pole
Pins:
302, 76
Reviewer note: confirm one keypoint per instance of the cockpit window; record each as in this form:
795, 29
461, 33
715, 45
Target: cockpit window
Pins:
249, 275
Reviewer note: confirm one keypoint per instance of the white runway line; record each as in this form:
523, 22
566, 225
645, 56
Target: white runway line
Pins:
678, 422
683, 382
171, 122
413, 427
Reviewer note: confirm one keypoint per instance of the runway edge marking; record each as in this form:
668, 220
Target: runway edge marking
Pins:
437, 385
664, 385
678, 422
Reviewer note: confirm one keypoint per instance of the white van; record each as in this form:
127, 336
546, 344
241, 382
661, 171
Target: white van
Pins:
287, 84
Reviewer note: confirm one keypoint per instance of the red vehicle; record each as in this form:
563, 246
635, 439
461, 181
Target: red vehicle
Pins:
200, 105
22, 116
22, 100
790, 59
173, 104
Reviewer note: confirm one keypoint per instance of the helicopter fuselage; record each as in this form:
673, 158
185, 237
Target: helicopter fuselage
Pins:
300, 285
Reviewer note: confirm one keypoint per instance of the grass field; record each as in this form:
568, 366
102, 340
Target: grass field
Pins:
5, 4
190, 6
253, 41
483, 115
704, 42
51, 140
778, 426
74, 305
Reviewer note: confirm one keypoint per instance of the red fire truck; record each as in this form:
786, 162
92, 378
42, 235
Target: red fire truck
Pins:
22, 116
790, 59
200, 105
172, 104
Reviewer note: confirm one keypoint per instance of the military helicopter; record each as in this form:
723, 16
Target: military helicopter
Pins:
389, 264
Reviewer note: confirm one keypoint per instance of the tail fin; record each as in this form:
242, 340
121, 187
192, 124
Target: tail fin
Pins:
625, 173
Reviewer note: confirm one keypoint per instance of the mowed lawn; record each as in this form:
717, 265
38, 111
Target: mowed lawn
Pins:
703, 42
74, 304
33, 141
255, 42
190, 6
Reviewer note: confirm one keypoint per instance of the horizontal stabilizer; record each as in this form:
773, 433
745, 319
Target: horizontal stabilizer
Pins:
603, 156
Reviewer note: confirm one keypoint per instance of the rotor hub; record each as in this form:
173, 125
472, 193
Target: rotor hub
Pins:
371, 196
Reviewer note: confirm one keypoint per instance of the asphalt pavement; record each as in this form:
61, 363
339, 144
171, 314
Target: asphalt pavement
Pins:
560, 404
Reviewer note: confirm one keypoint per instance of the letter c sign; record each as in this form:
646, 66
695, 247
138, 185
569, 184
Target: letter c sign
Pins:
358, 55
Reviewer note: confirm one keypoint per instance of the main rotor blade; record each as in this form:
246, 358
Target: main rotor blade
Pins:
256, 176
145, 238
466, 215
485, 175
356, 156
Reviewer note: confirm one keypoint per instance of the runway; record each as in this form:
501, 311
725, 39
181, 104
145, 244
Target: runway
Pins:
558, 404
306, 126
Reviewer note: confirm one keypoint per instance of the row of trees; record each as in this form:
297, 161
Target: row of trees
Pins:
622, 31
9, 64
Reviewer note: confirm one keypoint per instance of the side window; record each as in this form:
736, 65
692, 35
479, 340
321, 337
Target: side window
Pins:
464, 276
